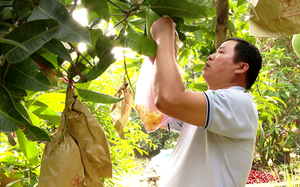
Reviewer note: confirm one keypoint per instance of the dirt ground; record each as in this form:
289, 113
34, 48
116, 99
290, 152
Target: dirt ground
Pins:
146, 178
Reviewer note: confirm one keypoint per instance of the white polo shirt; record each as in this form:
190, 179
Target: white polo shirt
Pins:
221, 153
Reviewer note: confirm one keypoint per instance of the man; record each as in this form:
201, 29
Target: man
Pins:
217, 127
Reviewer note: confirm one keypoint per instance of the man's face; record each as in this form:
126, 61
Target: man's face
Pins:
220, 67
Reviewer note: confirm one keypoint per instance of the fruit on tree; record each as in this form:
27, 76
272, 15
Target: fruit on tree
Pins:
296, 44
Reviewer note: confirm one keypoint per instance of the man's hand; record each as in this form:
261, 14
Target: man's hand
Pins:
164, 28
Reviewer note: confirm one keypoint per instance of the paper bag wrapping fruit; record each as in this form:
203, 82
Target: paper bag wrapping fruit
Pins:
77, 156
62, 166
120, 111
151, 117
274, 18
90, 136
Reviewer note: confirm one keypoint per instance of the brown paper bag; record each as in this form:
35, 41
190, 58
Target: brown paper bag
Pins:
63, 166
81, 156
274, 18
120, 111
90, 137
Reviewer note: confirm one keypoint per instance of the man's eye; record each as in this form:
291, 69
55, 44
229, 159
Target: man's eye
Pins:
220, 51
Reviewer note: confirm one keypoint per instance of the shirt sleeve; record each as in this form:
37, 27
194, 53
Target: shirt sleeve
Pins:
175, 125
231, 113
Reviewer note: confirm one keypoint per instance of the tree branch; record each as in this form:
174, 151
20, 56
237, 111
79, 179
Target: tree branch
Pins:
125, 67
116, 6
222, 8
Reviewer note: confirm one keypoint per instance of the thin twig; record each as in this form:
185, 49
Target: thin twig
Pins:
5, 73
78, 72
126, 73
74, 6
78, 52
125, 17
118, 14
116, 6
94, 23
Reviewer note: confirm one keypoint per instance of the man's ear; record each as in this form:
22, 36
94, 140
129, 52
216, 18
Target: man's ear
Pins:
242, 67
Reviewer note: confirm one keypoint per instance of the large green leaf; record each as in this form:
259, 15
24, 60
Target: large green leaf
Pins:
98, 6
29, 148
56, 101
43, 111
97, 97
139, 43
106, 60
52, 58
180, 8
261, 136
240, 2
56, 47
6, 2
103, 43
27, 75
12, 42
32, 35
11, 119
95, 34
71, 30
16, 93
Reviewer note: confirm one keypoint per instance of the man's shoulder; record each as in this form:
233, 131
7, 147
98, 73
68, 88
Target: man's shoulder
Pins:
235, 93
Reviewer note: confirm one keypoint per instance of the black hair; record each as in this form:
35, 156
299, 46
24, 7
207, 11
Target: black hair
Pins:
247, 52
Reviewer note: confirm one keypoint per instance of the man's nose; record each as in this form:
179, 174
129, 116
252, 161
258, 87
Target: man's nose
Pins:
211, 57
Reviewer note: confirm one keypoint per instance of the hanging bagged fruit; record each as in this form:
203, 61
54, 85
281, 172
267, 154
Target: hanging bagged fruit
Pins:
120, 111
151, 117
78, 152
281, 18
61, 163
90, 136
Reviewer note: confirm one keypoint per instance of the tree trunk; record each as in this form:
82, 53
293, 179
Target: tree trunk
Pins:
222, 8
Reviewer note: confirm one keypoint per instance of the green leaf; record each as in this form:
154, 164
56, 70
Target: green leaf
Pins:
12, 42
198, 35
98, 6
178, 8
71, 30
106, 60
212, 24
52, 58
103, 43
95, 34
16, 93
123, 5
189, 28
27, 75
11, 119
56, 101
32, 35
139, 43
6, 2
43, 111
240, 2
56, 47
97, 97
29, 148
184, 57
198, 67
231, 26
261, 135
199, 86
